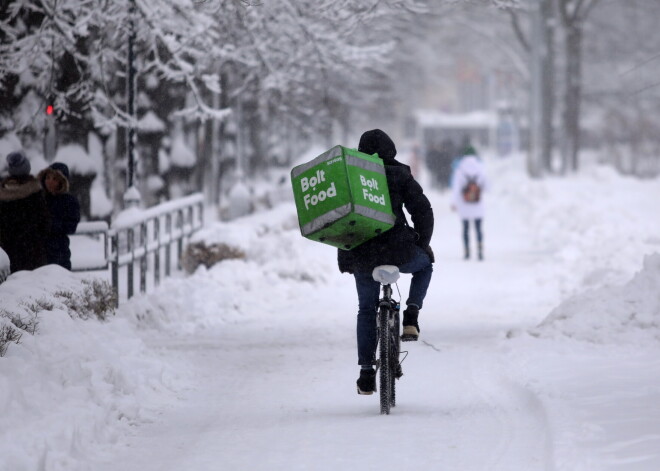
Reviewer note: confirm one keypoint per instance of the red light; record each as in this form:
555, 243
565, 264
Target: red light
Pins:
49, 110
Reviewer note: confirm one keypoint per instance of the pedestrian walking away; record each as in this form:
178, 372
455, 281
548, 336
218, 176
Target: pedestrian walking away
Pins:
404, 246
468, 186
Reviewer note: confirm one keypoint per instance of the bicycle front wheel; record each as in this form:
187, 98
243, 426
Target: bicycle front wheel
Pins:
384, 349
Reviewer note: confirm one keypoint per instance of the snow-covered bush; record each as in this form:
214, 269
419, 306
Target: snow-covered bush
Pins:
97, 300
8, 333
199, 253
76, 385
23, 305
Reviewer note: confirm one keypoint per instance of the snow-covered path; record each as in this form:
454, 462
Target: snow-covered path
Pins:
277, 390
284, 406
546, 356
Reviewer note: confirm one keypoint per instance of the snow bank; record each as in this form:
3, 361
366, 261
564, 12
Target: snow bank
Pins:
4, 265
630, 311
73, 385
588, 225
278, 261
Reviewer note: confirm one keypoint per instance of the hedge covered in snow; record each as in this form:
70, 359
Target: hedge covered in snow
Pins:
29, 295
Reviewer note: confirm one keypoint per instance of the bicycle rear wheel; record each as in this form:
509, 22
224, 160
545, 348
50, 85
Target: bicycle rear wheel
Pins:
384, 350
395, 348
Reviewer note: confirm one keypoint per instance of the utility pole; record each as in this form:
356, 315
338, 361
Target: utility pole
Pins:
132, 195
538, 103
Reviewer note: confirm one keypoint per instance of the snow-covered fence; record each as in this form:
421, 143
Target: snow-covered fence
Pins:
91, 243
143, 237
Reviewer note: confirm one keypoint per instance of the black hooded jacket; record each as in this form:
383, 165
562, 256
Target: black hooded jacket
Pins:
65, 215
396, 246
24, 222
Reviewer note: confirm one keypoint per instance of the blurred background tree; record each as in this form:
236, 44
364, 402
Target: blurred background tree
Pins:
230, 89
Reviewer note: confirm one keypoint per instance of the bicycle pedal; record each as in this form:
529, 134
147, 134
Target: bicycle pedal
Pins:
409, 338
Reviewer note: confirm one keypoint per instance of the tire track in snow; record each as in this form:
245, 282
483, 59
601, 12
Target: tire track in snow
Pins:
520, 432
522, 418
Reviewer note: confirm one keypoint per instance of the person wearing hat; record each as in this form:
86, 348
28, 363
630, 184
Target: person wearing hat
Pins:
24, 217
406, 246
64, 213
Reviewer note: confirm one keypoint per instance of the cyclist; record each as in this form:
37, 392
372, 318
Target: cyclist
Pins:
404, 246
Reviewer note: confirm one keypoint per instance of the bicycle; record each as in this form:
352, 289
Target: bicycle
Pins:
389, 339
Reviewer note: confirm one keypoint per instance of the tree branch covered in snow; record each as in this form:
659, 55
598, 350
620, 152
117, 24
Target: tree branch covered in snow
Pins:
306, 60
72, 54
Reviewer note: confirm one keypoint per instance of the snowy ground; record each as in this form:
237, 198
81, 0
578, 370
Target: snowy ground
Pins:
546, 356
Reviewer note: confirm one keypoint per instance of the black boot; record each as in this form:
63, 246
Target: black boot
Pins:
481, 252
410, 324
366, 383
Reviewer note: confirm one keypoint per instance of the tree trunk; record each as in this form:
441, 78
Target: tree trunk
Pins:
548, 83
200, 153
536, 158
572, 97
205, 161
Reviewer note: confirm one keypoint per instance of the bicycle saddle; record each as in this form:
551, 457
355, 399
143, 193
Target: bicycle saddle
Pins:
386, 274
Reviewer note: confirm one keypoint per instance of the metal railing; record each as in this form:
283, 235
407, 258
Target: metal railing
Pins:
138, 239
145, 238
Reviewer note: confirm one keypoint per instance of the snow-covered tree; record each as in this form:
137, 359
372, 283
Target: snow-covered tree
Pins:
621, 85
72, 54
301, 66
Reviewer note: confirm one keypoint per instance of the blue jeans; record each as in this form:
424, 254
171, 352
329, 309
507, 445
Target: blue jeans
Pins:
466, 233
368, 291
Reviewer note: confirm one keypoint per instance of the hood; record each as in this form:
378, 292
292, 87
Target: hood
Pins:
471, 164
377, 142
63, 182
60, 167
17, 188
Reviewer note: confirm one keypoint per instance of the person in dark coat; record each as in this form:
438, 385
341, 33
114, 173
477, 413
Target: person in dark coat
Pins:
407, 247
24, 217
64, 213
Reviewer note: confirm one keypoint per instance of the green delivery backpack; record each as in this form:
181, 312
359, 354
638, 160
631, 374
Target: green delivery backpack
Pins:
342, 198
